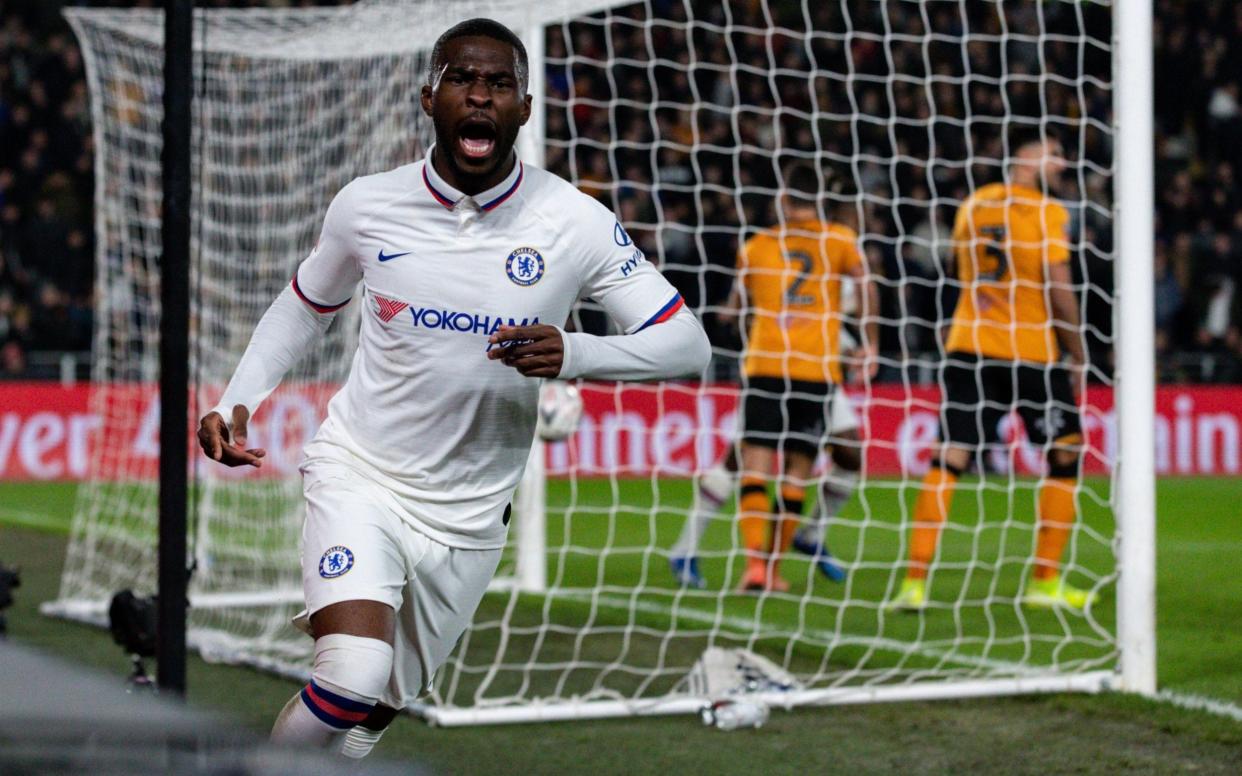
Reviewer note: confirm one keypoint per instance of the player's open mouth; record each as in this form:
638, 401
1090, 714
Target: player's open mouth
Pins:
477, 139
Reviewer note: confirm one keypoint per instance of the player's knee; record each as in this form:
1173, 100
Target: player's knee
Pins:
717, 483
789, 498
949, 459
847, 455
1063, 462
349, 675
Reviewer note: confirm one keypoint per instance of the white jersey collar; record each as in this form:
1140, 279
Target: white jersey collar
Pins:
448, 196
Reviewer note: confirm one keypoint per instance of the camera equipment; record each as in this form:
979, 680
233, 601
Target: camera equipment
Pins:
131, 619
10, 578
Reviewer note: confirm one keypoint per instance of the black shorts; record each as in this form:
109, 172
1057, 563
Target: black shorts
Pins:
977, 394
783, 414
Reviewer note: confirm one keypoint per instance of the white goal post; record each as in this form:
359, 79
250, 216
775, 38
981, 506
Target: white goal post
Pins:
678, 115
1135, 497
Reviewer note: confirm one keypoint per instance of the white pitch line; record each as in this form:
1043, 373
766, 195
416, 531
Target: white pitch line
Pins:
1201, 703
18, 517
744, 624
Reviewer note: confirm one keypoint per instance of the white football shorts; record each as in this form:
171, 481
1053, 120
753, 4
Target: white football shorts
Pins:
844, 416
356, 546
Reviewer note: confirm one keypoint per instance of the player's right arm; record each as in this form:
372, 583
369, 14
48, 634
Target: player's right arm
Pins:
866, 302
301, 314
733, 312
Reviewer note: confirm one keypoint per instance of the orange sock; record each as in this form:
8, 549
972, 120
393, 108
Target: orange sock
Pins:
930, 511
754, 517
790, 511
1056, 518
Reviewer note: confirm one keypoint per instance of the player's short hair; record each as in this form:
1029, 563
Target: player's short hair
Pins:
1018, 136
801, 182
480, 28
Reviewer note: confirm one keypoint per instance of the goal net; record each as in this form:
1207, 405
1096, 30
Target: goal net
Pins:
289, 106
680, 116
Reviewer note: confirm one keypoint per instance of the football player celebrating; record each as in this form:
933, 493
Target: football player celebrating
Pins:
464, 258
1016, 315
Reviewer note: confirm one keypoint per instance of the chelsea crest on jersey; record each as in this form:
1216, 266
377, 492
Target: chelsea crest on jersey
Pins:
424, 413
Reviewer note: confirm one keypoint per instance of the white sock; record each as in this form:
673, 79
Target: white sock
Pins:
837, 488
349, 674
297, 725
712, 490
359, 742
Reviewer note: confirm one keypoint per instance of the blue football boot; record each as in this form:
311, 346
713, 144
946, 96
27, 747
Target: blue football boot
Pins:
686, 572
806, 542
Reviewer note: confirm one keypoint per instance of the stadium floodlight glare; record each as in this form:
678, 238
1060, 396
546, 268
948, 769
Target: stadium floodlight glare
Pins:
681, 117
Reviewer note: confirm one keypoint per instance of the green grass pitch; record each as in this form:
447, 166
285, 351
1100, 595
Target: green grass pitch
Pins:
1199, 640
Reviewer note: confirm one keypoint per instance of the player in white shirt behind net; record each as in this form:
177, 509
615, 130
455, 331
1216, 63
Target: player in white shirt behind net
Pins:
464, 259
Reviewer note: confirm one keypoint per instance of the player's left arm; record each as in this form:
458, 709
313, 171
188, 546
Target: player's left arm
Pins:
1066, 321
867, 302
1062, 302
663, 339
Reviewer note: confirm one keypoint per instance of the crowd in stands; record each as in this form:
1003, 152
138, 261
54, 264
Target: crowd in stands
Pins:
1198, 258
46, 183
680, 117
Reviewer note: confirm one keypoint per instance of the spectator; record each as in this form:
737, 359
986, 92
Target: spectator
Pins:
1218, 324
8, 315
12, 360
1170, 295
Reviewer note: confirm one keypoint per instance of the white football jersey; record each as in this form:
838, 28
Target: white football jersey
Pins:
424, 413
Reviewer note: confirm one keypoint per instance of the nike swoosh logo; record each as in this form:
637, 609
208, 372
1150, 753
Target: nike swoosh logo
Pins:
391, 256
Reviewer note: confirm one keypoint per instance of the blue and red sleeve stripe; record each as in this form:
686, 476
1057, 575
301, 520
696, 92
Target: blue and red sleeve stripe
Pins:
311, 303
664, 313
334, 709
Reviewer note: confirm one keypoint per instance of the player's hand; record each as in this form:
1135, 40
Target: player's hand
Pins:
213, 437
870, 355
535, 351
866, 360
1078, 377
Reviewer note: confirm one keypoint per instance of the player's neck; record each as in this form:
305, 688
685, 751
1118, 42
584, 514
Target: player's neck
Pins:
1025, 180
800, 215
465, 183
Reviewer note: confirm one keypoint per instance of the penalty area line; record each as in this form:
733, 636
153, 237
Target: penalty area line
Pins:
1200, 703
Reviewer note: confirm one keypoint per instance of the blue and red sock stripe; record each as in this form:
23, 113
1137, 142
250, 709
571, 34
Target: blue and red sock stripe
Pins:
316, 306
664, 313
334, 709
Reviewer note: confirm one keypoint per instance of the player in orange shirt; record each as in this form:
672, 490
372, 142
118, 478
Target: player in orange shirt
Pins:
1016, 315
789, 285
